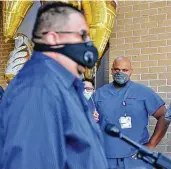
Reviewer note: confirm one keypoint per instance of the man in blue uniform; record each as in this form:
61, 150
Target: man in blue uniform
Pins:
128, 105
45, 122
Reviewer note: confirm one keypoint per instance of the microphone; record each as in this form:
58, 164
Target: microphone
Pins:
147, 155
112, 130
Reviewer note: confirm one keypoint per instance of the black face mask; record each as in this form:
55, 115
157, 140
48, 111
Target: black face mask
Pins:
85, 54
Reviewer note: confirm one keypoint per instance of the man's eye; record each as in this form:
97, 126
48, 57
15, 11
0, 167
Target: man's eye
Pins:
125, 70
116, 70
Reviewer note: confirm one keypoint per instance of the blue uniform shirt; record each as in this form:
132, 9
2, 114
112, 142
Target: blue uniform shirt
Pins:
133, 100
45, 122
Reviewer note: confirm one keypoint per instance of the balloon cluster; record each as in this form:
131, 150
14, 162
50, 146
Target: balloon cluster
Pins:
13, 15
100, 17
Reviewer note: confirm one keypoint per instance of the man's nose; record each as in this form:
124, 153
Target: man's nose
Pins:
121, 71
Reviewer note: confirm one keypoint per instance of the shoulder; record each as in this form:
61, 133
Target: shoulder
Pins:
142, 90
141, 87
37, 74
104, 88
35, 86
103, 91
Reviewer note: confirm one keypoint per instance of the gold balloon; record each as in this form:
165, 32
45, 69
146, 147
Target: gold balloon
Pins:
100, 17
76, 4
19, 56
13, 14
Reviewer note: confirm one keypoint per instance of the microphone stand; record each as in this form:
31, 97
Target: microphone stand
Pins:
158, 160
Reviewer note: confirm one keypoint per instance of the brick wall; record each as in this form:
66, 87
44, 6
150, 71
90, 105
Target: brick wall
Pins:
142, 32
5, 49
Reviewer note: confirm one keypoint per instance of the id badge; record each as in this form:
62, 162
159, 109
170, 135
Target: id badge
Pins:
125, 122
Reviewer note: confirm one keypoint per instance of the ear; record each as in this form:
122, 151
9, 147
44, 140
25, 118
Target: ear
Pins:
51, 38
131, 72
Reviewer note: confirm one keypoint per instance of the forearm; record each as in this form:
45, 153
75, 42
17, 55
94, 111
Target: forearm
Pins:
159, 132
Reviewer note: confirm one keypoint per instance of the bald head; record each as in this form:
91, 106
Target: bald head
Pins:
122, 64
122, 61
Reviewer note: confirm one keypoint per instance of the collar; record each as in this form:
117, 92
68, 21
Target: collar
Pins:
65, 76
114, 90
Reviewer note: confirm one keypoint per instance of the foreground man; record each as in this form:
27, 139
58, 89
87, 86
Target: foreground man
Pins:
128, 106
45, 122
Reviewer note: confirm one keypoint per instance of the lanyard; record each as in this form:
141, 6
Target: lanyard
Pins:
124, 99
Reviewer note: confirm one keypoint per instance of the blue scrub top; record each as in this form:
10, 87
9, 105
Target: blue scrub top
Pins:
134, 100
45, 122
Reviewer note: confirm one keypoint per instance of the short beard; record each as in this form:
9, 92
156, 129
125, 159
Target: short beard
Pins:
118, 84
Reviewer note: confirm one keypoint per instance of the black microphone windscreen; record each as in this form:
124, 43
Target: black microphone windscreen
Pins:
112, 130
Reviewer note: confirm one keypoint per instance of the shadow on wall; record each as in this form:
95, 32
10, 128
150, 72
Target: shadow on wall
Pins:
102, 75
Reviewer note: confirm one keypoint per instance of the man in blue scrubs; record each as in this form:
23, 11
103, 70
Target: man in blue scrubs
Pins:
128, 105
45, 122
